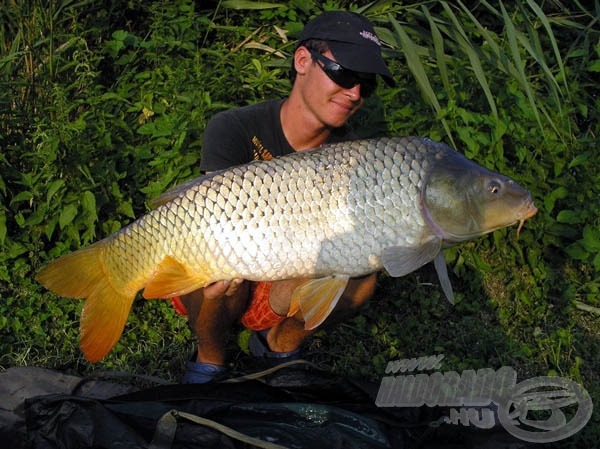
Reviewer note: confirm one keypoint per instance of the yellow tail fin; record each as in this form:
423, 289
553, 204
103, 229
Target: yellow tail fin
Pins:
81, 274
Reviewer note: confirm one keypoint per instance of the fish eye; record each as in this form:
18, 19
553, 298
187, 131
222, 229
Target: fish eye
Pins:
494, 187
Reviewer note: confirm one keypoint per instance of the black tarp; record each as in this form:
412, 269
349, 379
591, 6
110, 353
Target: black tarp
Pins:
293, 408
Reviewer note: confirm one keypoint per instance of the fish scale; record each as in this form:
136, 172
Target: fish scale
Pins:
337, 194
343, 204
342, 210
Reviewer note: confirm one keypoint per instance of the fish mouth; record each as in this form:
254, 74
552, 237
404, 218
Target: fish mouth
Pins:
528, 211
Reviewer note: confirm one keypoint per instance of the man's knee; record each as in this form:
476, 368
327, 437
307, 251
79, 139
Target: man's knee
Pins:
360, 290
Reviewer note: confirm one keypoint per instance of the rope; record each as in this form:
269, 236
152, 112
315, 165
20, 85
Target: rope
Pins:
167, 427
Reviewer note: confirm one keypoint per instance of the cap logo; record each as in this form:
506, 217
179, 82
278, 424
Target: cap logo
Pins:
368, 35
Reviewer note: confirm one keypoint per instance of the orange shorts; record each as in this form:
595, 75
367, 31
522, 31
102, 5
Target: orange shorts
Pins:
258, 316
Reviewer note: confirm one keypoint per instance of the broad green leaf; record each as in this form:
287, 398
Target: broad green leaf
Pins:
120, 35
36, 217
580, 159
22, 196
15, 249
158, 128
386, 35
569, 217
54, 187
126, 209
576, 251
557, 194
591, 239
88, 201
594, 66
67, 215
19, 219
50, 227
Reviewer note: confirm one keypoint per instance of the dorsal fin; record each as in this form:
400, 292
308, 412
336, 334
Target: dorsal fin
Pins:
174, 192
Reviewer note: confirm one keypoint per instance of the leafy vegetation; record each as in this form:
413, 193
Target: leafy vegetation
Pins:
103, 107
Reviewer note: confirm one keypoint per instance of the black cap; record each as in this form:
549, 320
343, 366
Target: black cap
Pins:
352, 41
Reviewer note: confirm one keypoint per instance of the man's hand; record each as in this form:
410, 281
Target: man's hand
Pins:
221, 288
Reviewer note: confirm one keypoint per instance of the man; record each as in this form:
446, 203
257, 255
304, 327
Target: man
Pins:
334, 69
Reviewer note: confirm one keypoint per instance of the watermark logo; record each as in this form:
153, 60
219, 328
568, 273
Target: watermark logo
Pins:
370, 36
532, 410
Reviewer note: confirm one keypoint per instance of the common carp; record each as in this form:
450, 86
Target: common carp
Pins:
342, 210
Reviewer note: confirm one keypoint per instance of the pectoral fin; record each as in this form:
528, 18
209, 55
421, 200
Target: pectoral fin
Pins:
399, 261
172, 278
317, 298
440, 266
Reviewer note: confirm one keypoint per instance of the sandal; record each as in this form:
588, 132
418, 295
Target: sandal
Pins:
201, 373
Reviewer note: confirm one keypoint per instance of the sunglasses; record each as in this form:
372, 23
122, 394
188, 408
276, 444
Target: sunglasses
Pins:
343, 77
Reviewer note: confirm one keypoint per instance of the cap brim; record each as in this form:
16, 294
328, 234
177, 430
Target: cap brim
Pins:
361, 58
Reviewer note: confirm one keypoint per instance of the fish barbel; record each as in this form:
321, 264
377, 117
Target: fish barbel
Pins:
342, 210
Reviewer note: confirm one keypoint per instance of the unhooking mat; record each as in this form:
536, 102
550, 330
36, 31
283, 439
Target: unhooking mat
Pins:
292, 408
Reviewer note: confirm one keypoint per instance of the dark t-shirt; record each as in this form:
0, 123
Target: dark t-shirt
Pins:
238, 136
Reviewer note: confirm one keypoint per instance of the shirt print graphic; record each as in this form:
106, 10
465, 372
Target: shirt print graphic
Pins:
259, 152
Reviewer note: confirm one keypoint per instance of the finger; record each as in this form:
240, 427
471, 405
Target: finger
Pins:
233, 286
216, 289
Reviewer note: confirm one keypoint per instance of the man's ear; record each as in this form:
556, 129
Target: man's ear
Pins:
302, 59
